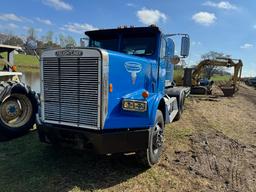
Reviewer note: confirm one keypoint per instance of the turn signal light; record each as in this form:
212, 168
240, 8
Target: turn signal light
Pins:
110, 88
14, 68
145, 94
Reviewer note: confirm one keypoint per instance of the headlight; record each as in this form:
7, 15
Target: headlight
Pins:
133, 105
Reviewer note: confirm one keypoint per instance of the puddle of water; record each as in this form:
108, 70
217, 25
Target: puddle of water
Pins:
32, 79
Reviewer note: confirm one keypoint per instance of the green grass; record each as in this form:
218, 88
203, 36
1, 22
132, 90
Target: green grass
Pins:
28, 165
220, 77
26, 60
178, 75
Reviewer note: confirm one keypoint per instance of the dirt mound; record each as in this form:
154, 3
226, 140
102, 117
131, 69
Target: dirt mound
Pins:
226, 164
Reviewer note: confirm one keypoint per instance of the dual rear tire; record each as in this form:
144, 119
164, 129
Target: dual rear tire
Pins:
181, 102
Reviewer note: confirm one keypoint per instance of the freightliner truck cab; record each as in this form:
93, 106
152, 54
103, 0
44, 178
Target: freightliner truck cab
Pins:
114, 96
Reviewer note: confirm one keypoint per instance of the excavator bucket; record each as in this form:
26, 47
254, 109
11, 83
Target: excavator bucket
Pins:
228, 91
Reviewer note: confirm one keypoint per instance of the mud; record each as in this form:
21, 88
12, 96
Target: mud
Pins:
229, 165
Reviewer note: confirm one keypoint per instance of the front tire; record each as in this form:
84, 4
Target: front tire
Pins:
152, 154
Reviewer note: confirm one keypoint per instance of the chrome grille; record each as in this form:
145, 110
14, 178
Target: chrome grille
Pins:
71, 90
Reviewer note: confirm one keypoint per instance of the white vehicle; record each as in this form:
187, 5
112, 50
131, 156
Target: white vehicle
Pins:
18, 103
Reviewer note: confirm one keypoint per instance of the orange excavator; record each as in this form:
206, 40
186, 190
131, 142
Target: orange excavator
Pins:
192, 77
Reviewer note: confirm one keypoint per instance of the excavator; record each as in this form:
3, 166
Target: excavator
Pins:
192, 77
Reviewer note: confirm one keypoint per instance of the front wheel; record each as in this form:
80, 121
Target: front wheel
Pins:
151, 155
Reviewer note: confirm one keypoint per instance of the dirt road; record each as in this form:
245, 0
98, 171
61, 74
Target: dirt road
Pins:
211, 149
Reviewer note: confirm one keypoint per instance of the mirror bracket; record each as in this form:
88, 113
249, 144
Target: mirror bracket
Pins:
175, 59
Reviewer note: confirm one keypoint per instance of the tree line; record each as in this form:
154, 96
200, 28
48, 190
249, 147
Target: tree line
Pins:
209, 70
47, 41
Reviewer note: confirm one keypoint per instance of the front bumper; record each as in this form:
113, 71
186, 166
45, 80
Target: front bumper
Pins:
102, 142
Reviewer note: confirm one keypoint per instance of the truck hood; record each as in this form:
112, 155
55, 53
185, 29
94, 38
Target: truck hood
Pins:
128, 73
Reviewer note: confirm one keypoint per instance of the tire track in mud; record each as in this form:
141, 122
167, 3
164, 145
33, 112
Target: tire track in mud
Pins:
248, 93
221, 160
228, 165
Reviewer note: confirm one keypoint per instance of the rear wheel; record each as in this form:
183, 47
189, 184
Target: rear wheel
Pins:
151, 155
17, 114
181, 101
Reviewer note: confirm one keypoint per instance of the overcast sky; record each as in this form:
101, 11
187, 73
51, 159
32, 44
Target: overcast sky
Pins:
223, 26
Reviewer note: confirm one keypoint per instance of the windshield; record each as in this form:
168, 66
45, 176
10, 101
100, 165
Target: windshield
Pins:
110, 43
132, 45
138, 45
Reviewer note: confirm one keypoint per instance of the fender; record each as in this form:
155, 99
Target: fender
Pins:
11, 87
153, 103
177, 92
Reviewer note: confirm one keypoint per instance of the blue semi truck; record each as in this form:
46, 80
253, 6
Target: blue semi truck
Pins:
114, 96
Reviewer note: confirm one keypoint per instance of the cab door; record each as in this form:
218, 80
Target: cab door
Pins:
170, 47
163, 63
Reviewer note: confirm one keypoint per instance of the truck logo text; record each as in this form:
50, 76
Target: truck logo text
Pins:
133, 68
68, 53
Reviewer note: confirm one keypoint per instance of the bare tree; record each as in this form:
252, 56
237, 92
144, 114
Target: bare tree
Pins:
14, 40
31, 34
66, 41
210, 69
71, 41
48, 37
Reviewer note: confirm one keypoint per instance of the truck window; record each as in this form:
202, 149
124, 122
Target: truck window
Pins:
141, 46
163, 48
132, 44
105, 43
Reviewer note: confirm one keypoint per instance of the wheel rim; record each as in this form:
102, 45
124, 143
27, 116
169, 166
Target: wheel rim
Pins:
16, 110
157, 138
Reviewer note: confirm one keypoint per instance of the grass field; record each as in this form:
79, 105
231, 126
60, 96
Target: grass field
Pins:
28, 165
178, 75
220, 77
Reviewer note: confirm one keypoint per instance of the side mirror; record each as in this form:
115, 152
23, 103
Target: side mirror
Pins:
84, 42
31, 44
185, 46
